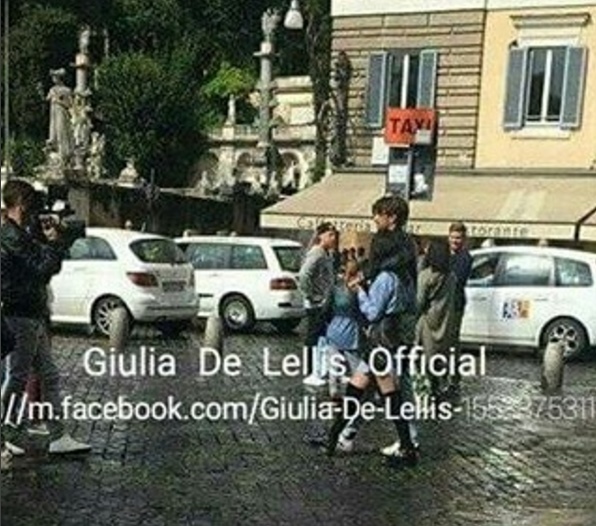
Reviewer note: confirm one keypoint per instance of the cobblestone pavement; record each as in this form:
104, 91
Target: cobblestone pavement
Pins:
507, 458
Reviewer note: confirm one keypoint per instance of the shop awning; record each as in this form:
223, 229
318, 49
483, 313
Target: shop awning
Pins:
496, 206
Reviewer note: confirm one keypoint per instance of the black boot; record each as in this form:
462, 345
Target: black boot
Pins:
403, 459
408, 454
354, 394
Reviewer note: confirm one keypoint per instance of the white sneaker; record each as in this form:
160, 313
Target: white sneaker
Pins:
15, 450
40, 429
345, 445
5, 459
391, 450
314, 381
67, 444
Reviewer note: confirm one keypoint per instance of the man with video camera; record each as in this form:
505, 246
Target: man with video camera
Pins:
32, 249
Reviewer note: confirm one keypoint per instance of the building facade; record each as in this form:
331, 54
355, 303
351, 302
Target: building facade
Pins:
515, 92
233, 147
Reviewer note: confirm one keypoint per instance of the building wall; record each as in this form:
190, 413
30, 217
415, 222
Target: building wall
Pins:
458, 38
535, 148
295, 104
294, 134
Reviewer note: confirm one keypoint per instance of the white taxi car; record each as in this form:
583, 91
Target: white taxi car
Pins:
528, 296
110, 267
247, 279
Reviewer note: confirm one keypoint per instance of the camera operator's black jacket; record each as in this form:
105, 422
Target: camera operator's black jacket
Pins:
27, 265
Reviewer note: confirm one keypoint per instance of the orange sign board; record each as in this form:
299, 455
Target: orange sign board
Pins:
410, 126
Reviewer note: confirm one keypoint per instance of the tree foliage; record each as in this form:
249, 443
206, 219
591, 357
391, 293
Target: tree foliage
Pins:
150, 111
229, 81
165, 69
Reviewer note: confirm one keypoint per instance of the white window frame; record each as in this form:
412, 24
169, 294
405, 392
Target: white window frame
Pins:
542, 129
548, 66
546, 30
405, 57
394, 91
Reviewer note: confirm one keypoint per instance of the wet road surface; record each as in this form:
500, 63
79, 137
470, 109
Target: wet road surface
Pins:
506, 458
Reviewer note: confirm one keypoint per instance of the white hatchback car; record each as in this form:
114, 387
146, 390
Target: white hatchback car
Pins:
247, 279
110, 267
528, 296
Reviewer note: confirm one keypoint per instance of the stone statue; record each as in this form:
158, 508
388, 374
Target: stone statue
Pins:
129, 174
269, 22
81, 122
84, 39
95, 168
231, 119
273, 190
205, 184
60, 136
53, 168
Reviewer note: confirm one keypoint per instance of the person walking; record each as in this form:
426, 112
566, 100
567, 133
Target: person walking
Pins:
391, 214
343, 335
316, 280
461, 265
436, 296
381, 304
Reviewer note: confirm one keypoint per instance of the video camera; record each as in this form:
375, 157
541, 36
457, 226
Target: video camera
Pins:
52, 211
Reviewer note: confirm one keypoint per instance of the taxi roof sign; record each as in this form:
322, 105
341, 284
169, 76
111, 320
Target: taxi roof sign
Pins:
407, 126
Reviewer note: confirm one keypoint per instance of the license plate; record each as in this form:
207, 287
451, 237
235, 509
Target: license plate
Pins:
173, 286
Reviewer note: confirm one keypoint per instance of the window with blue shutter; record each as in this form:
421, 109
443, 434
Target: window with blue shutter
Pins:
573, 87
376, 89
544, 87
400, 79
514, 92
427, 76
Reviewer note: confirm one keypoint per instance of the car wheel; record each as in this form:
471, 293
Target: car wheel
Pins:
172, 329
102, 313
286, 326
571, 333
237, 313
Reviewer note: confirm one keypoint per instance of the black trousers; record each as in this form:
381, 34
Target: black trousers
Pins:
316, 324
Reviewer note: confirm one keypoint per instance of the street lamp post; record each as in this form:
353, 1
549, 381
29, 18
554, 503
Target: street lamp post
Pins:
5, 90
269, 23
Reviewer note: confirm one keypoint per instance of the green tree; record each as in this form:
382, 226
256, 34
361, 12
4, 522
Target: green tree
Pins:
150, 108
172, 65
148, 26
229, 80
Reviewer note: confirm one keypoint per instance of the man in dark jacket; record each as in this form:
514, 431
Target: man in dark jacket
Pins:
28, 262
391, 215
461, 266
